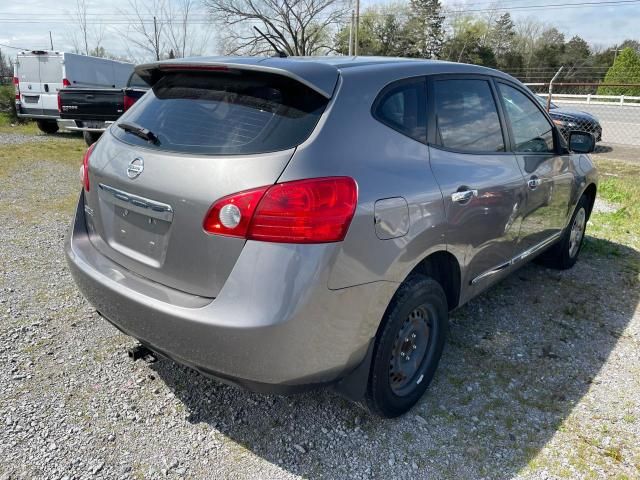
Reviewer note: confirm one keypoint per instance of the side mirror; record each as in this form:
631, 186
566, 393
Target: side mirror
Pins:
581, 142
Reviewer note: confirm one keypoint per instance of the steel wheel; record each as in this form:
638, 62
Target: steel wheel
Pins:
577, 232
409, 351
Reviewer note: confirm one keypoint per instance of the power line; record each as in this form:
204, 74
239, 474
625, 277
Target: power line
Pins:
124, 18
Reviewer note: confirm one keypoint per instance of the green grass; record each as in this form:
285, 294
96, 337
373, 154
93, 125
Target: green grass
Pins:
60, 150
618, 185
24, 127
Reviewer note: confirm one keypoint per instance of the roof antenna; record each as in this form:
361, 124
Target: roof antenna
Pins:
279, 53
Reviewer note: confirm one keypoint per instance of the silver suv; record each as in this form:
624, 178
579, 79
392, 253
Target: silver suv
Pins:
286, 223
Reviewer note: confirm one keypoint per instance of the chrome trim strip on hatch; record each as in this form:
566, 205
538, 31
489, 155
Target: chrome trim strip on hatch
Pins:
518, 258
137, 203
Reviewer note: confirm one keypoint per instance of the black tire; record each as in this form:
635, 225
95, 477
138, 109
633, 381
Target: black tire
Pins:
564, 254
47, 126
91, 137
391, 393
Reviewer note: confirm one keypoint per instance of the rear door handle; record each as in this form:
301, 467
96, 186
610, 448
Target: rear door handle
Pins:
534, 182
463, 196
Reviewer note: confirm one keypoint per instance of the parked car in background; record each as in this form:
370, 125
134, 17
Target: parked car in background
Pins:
569, 120
286, 223
92, 110
40, 74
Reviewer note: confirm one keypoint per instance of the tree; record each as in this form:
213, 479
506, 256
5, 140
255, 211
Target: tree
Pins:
143, 34
502, 35
86, 38
182, 38
576, 54
626, 69
382, 32
297, 27
466, 43
426, 29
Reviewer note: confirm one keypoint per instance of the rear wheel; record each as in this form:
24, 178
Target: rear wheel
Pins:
408, 347
47, 126
91, 137
564, 254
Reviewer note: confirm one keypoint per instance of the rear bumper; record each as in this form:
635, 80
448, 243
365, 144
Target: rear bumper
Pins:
77, 126
275, 326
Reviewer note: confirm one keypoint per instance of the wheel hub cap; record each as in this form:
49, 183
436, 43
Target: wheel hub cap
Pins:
577, 232
409, 351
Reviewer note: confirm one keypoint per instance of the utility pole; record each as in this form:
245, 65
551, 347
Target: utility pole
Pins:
155, 37
355, 46
351, 33
51, 39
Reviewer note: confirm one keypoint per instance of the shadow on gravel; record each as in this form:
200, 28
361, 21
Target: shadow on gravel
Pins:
519, 359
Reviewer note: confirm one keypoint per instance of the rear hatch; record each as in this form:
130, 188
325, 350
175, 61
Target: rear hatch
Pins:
215, 133
91, 103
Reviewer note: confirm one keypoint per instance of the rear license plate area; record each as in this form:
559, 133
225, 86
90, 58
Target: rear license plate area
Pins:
135, 226
30, 98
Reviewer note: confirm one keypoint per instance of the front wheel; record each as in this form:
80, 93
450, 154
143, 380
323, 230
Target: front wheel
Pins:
47, 126
408, 347
564, 254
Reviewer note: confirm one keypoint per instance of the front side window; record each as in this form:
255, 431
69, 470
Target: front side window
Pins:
402, 106
467, 117
532, 132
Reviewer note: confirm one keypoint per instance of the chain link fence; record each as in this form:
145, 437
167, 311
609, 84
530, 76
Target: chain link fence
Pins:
598, 108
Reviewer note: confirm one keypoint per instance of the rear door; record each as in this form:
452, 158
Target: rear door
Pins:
481, 182
29, 82
218, 133
547, 172
50, 82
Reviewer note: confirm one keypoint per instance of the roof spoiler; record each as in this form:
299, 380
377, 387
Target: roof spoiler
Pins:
320, 77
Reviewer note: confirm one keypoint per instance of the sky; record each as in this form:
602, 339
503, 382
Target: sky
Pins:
26, 23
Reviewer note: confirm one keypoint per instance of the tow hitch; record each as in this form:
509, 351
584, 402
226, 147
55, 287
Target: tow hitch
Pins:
140, 351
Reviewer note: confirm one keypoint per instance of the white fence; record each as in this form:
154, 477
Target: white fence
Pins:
594, 99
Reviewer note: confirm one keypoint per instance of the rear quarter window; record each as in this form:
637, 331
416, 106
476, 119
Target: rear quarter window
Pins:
232, 112
402, 107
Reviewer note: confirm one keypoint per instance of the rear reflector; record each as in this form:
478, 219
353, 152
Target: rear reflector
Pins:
317, 210
84, 168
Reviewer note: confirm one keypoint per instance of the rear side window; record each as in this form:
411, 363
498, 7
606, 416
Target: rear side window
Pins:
532, 132
228, 112
402, 106
466, 116
136, 81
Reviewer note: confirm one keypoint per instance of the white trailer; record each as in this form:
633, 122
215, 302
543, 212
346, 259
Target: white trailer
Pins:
39, 74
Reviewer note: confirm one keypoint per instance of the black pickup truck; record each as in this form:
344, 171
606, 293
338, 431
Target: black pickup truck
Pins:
92, 110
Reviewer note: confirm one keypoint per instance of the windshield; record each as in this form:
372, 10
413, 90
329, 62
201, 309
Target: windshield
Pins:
228, 112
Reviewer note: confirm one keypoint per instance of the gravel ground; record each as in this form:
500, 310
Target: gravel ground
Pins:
540, 380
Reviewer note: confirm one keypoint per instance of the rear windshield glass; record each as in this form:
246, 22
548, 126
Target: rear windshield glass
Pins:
229, 112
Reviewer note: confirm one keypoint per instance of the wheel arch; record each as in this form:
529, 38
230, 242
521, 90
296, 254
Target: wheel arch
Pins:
590, 193
443, 267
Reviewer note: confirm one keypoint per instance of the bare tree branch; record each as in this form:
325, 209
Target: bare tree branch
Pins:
298, 27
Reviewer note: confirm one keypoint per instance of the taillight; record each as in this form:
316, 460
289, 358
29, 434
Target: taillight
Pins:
84, 169
128, 102
16, 84
317, 210
66, 83
59, 103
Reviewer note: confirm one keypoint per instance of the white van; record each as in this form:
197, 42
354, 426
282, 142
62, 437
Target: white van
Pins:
39, 74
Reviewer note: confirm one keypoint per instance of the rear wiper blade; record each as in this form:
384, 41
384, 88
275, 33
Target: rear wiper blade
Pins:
139, 131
